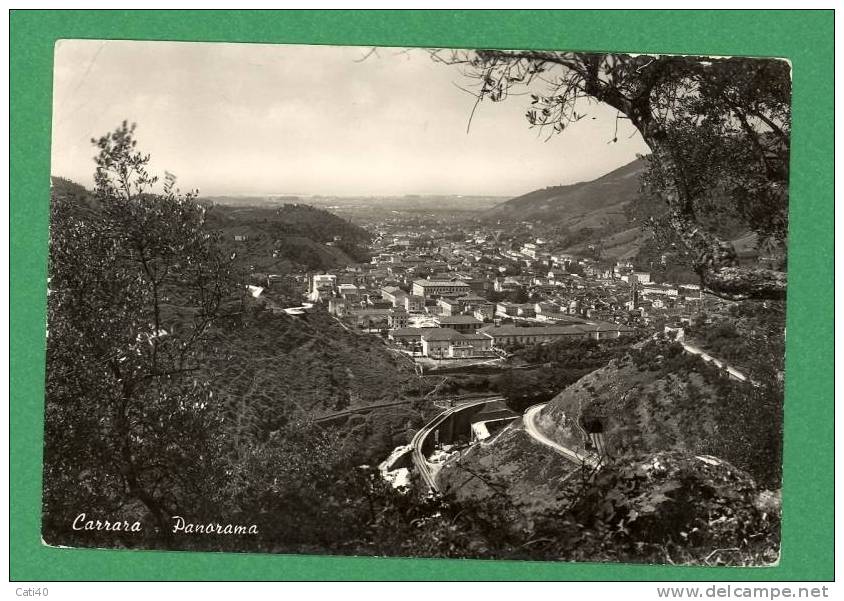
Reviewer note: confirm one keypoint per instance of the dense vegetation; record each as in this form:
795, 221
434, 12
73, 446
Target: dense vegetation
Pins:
663, 507
290, 236
561, 363
660, 397
750, 335
167, 386
172, 393
719, 131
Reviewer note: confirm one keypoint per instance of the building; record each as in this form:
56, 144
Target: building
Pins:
559, 318
643, 277
508, 334
338, 306
481, 343
465, 324
397, 318
479, 286
605, 330
655, 289
507, 284
406, 336
368, 318
449, 306
471, 301
394, 295
438, 342
505, 309
526, 310
414, 303
445, 343
348, 292
485, 312
431, 288
322, 286
546, 308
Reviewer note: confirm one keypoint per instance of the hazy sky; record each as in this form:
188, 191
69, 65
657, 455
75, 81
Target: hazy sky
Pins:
270, 119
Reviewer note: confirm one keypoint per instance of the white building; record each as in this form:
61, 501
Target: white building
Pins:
322, 285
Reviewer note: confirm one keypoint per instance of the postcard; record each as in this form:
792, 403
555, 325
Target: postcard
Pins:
417, 302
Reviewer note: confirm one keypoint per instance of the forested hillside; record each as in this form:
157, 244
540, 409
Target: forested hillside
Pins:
268, 239
170, 390
661, 398
264, 239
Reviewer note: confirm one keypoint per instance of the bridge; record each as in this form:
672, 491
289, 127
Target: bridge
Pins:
450, 426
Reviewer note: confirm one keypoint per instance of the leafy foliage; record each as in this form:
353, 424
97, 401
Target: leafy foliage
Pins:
134, 292
563, 363
168, 393
164, 390
659, 397
292, 235
719, 132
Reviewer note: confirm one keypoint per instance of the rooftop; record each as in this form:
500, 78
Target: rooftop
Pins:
441, 283
457, 319
556, 330
538, 331
437, 334
475, 337
409, 331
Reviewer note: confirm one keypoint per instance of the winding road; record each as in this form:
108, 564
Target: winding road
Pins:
529, 420
732, 371
428, 470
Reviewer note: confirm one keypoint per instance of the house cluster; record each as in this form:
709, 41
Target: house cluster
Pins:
460, 292
445, 342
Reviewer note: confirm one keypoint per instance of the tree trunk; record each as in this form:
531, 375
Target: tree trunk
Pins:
714, 259
129, 470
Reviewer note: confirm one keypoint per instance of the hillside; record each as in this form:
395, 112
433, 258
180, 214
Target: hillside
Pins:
512, 461
595, 216
691, 467
593, 203
271, 370
660, 398
274, 369
642, 508
73, 195
580, 217
272, 239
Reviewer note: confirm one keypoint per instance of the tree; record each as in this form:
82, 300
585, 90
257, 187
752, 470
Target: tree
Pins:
718, 130
137, 289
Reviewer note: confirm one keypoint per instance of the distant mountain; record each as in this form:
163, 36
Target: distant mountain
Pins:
73, 195
582, 217
407, 202
584, 204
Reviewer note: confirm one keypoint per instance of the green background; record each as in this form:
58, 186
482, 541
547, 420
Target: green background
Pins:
806, 38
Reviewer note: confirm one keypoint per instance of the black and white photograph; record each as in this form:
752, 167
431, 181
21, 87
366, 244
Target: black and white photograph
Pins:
479, 303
